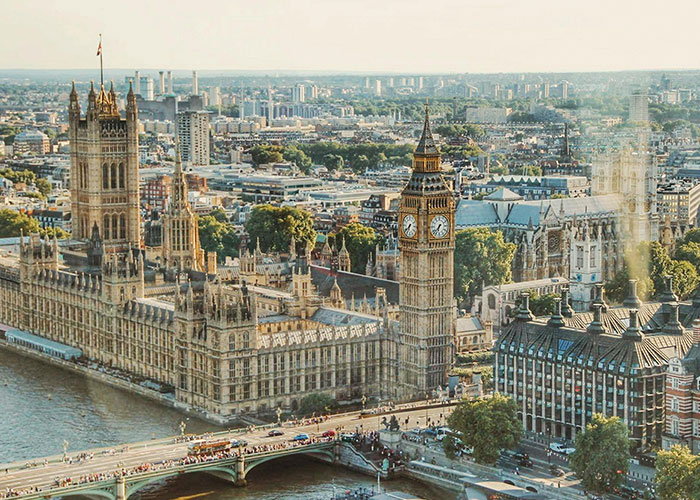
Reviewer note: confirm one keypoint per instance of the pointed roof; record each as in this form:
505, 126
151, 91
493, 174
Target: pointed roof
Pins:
426, 145
503, 194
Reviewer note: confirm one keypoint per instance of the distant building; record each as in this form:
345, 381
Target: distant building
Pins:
487, 115
298, 93
533, 187
193, 133
679, 200
639, 106
155, 192
31, 141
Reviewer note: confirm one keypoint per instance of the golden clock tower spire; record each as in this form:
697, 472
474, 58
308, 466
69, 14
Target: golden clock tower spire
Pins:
426, 303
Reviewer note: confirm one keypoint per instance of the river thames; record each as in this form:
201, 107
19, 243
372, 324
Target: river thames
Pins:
42, 406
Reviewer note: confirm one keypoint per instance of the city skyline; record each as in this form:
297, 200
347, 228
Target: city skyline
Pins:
390, 37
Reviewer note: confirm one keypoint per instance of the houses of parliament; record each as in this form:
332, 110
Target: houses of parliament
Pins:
227, 341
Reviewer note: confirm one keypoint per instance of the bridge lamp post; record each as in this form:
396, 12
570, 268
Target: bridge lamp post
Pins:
427, 402
65, 448
279, 415
364, 401
183, 426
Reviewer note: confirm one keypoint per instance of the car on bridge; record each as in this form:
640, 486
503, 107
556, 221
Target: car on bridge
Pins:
275, 432
235, 443
301, 437
329, 433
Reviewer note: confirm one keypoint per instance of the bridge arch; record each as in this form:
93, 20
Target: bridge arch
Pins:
221, 472
326, 453
92, 494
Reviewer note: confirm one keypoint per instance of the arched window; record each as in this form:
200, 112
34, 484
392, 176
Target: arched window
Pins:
105, 229
115, 227
121, 175
492, 301
114, 176
105, 176
122, 227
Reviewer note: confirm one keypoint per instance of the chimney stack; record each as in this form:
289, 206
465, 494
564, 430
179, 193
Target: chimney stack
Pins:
162, 82
137, 83
195, 84
556, 320
170, 82
632, 300
596, 325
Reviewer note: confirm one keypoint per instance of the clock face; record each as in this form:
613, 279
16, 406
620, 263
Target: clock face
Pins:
439, 226
409, 226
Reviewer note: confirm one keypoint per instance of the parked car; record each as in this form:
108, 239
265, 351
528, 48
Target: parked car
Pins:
275, 432
521, 455
301, 437
555, 470
329, 433
627, 492
525, 462
429, 431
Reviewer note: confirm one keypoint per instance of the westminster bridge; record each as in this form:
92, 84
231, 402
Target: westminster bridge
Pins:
116, 473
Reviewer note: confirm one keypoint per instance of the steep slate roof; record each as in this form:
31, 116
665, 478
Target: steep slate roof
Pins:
426, 144
352, 284
475, 213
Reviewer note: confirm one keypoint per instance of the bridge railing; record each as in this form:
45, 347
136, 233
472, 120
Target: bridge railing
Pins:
57, 491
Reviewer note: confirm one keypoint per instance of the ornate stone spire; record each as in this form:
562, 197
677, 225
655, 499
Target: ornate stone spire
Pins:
426, 144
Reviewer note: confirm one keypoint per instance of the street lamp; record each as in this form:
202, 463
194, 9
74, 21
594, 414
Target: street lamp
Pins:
183, 426
364, 401
427, 400
279, 415
65, 448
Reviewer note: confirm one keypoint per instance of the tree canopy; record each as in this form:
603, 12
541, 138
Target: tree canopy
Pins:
487, 425
13, 223
602, 454
275, 226
360, 241
218, 235
316, 402
648, 262
481, 255
677, 474
540, 305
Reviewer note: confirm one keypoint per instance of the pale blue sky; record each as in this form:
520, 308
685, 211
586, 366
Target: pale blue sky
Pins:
413, 36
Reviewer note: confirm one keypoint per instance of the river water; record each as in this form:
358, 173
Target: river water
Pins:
41, 406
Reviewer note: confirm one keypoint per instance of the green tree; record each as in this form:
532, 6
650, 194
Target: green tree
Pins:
216, 235
265, 153
685, 278
692, 236
542, 305
498, 169
617, 288
43, 186
14, 223
316, 402
689, 251
298, 157
360, 240
481, 255
602, 454
333, 162
677, 474
488, 425
275, 226
54, 231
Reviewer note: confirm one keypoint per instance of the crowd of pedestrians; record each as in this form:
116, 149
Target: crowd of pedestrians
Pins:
62, 482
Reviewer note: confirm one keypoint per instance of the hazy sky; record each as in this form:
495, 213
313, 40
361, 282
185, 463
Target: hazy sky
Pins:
447, 36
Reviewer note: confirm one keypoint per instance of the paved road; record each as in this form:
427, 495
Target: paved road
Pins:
137, 454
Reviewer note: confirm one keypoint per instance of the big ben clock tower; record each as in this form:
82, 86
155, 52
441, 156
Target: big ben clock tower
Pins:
427, 242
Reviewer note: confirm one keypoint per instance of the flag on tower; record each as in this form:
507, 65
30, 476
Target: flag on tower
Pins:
99, 47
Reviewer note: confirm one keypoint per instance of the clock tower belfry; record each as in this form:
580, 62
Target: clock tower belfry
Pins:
426, 302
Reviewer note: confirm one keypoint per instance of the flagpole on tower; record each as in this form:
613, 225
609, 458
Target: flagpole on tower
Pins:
99, 53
